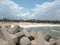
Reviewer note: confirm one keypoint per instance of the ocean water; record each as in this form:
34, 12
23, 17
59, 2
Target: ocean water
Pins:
54, 31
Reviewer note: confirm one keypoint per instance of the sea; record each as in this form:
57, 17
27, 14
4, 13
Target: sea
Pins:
54, 31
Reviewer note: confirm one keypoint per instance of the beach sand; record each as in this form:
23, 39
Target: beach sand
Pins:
28, 24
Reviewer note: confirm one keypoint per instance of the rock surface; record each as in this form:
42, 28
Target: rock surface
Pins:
47, 37
25, 41
19, 36
15, 29
57, 42
3, 42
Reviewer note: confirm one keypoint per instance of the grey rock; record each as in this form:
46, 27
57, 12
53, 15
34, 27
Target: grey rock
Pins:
33, 33
56, 42
31, 38
33, 42
40, 39
3, 42
25, 41
15, 29
20, 34
4, 34
8, 26
10, 39
47, 37
26, 33
0, 26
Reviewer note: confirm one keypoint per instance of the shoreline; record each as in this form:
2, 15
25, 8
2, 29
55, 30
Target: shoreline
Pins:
39, 25
29, 25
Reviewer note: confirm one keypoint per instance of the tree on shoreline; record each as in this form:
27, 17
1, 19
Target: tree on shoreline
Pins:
31, 20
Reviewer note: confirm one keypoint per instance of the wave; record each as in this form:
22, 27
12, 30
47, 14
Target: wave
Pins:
36, 25
55, 31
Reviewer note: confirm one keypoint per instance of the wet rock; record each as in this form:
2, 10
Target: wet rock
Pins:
25, 41
47, 37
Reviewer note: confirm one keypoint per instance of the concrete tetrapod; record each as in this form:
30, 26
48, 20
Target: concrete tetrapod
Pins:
47, 37
15, 29
40, 39
57, 42
25, 41
3, 42
6, 36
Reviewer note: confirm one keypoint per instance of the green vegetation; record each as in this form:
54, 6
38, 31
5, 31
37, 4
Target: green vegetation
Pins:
31, 20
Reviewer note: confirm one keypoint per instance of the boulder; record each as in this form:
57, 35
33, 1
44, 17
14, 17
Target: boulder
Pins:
56, 42
47, 37
10, 39
26, 33
4, 34
15, 29
8, 26
33, 34
25, 41
33, 42
3, 42
40, 39
0, 26
31, 38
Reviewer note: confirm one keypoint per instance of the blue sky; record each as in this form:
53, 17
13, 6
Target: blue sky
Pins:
30, 9
30, 3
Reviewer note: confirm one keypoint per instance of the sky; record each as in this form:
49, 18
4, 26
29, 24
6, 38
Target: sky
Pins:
30, 9
30, 3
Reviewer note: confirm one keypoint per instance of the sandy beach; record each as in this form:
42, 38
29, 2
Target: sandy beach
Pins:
28, 24
39, 25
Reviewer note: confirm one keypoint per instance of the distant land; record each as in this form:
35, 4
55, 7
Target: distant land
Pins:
31, 21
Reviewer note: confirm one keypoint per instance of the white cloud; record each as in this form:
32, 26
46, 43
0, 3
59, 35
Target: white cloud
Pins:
47, 11
9, 9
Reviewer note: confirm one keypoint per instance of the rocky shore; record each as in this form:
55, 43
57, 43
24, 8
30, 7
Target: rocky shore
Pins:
19, 36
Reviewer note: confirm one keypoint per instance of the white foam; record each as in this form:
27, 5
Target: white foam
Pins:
51, 39
37, 25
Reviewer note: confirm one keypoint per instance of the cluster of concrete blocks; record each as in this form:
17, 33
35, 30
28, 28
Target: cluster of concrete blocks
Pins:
19, 36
